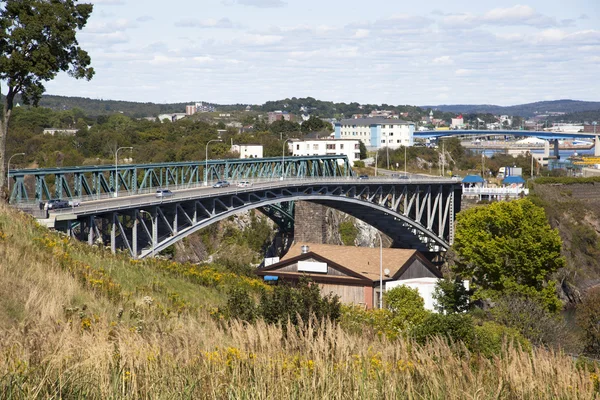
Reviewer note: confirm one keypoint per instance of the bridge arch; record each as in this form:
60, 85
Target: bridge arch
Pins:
416, 215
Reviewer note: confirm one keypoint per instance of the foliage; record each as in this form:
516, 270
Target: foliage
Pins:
315, 124
506, 243
284, 303
359, 164
30, 56
588, 319
362, 149
490, 338
451, 296
456, 327
407, 307
348, 232
531, 318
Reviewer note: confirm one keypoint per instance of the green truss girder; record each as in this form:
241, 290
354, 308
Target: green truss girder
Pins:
78, 182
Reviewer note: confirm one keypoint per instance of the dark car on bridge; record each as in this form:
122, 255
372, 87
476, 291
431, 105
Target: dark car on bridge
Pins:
55, 204
363, 177
221, 184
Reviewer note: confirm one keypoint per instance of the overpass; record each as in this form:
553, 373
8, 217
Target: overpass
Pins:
551, 137
416, 213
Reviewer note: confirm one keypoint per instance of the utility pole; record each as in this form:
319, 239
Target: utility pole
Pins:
443, 158
376, 154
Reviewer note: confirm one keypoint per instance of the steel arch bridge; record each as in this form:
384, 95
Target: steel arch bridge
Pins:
415, 213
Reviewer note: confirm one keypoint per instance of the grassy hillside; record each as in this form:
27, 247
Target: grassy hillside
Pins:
78, 322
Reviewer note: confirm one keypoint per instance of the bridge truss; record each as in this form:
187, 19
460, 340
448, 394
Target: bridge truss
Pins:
103, 181
417, 214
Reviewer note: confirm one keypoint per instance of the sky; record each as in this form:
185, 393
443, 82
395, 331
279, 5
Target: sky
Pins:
377, 51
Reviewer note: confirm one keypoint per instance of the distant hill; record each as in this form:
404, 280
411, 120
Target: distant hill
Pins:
523, 110
95, 107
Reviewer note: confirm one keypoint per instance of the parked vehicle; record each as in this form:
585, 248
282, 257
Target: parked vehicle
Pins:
74, 203
221, 184
363, 177
163, 193
244, 184
55, 204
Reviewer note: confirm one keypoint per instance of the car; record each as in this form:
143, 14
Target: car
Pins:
221, 184
74, 203
161, 193
403, 177
363, 177
55, 204
244, 184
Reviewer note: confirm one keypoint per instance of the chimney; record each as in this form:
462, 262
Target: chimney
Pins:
304, 249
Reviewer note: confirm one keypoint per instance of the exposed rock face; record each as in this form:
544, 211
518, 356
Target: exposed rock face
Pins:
315, 223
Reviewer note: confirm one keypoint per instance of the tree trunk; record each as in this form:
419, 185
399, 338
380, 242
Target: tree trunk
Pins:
7, 109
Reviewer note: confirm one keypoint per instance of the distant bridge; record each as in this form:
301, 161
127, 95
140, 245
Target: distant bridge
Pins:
551, 137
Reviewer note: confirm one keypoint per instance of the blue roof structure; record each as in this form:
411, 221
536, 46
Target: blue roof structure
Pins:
473, 179
509, 180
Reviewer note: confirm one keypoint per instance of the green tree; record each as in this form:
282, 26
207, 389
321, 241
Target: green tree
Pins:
315, 124
506, 244
451, 296
363, 150
406, 305
37, 41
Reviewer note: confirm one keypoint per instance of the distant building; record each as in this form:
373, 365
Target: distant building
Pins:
383, 114
248, 150
279, 116
321, 147
198, 107
457, 122
60, 131
353, 273
377, 133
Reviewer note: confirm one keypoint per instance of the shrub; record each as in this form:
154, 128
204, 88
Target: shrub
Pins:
348, 232
456, 327
588, 319
359, 164
407, 307
490, 338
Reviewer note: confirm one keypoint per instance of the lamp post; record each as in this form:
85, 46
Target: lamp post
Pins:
8, 170
380, 271
405, 174
206, 160
283, 159
151, 220
117, 169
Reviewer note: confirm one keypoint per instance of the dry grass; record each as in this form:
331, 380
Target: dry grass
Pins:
69, 334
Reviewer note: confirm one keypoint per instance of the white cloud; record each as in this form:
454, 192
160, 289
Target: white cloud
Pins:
463, 72
224, 23
257, 3
163, 59
361, 33
260, 40
443, 60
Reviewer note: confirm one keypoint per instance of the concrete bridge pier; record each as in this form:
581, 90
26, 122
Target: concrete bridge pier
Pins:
547, 149
597, 146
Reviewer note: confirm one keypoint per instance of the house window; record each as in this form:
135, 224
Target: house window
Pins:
316, 146
391, 126
383, 141
341, 146
297, 147
356, 146
357, 155
330, 146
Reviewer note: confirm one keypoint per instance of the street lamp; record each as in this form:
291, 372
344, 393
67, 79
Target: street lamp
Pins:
152, 238
117, 169
206, 161
283, 158
8, 170
380, 271
405, 174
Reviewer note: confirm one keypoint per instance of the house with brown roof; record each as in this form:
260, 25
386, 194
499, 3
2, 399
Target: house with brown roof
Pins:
352, 273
